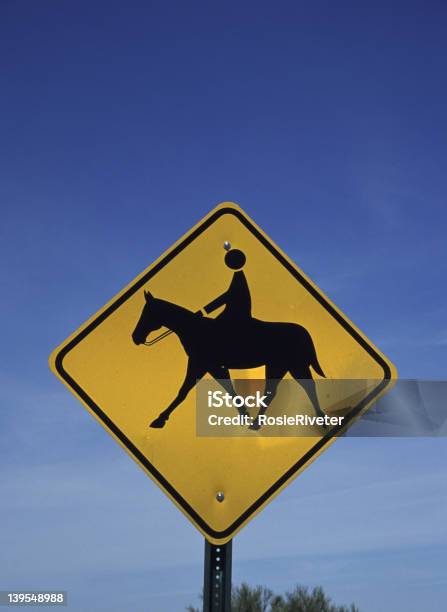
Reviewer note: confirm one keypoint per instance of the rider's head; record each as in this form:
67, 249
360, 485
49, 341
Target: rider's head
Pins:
235, 259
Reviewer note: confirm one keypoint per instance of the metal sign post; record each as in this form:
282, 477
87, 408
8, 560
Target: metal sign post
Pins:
217, 578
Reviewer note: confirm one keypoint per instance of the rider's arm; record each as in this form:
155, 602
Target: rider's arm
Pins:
217, 303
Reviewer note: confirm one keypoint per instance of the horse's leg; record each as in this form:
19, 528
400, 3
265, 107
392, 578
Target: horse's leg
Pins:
304, 378
273, 376
222, 375
193, 373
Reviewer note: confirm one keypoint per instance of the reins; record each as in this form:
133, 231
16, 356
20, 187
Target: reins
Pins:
163, 335
158, 338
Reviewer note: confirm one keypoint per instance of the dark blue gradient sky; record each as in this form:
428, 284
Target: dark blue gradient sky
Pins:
121, 124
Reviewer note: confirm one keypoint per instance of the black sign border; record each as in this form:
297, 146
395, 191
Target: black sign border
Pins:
133, 450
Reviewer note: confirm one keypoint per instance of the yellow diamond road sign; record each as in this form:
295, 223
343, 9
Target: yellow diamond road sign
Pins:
234, 302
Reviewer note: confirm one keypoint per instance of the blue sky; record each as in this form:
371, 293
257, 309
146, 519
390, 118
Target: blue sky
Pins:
121, 125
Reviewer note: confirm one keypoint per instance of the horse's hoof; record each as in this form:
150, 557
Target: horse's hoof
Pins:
255, 426
158, 423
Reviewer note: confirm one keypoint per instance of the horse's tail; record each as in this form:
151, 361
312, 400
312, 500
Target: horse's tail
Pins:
314, 359
316, 366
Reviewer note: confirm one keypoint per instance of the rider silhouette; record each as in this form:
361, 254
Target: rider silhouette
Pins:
237, 298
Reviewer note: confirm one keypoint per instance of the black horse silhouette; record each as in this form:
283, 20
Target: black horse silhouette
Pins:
216, 345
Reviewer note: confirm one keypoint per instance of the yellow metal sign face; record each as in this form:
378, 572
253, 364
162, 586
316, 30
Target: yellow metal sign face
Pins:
129, 386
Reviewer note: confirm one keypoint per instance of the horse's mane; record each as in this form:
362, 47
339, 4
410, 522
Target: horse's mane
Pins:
174, 307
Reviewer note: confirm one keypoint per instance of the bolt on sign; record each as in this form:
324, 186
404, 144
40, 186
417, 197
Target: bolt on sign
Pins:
223, 303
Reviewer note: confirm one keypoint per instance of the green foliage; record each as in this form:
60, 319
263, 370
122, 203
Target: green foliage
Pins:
245, 598
301, 599
250, 599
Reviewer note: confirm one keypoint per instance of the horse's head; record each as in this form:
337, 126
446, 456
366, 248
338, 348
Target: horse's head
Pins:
148, 321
